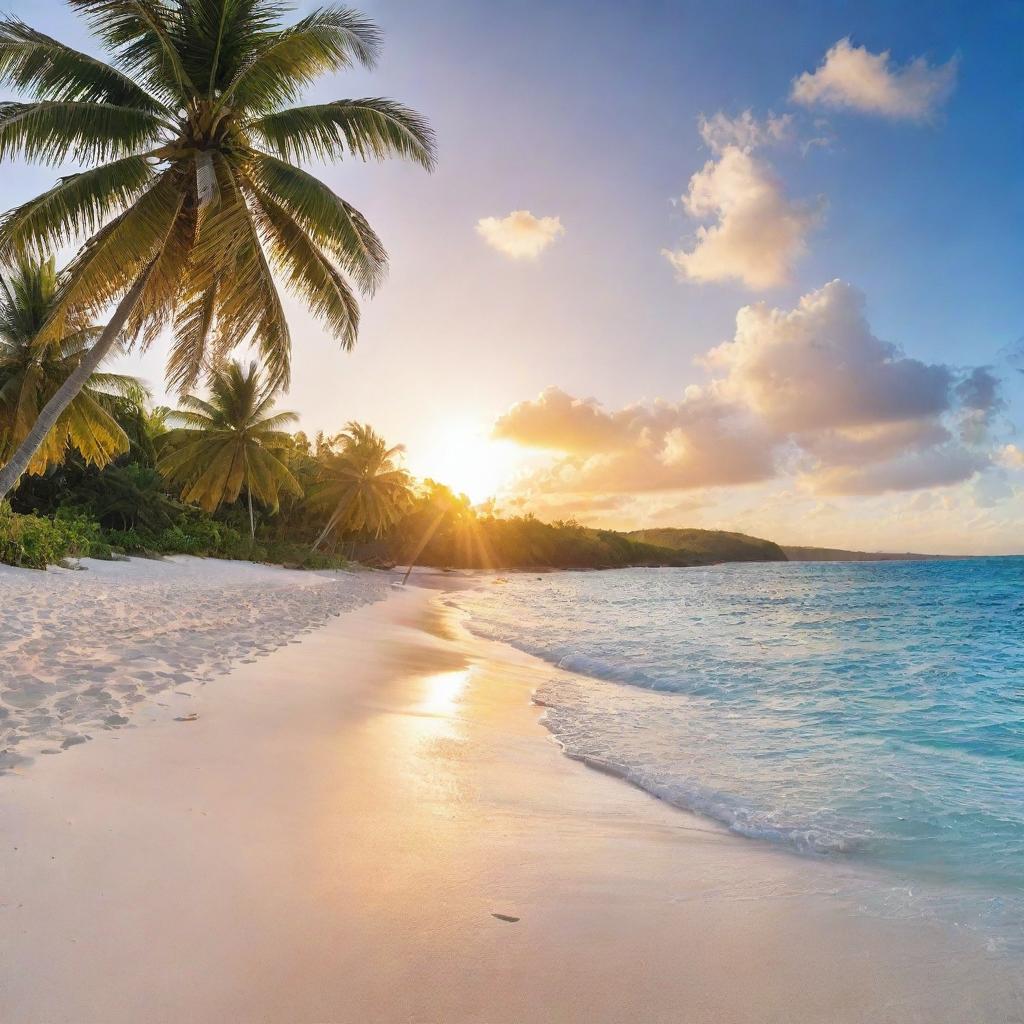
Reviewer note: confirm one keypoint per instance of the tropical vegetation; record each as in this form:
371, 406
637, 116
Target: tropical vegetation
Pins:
31, 372
712, 545
182, 487
229, 442
191, 197
362, 485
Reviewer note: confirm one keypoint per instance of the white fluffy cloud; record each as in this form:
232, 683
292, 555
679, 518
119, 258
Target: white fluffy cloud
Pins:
819, 367
852, 77
808, 392
520, 235
758, 232
744, 131
697, 442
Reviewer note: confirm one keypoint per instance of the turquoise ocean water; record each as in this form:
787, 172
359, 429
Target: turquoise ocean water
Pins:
868, 712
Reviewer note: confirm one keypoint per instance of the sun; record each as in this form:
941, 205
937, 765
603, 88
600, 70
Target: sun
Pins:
463, 455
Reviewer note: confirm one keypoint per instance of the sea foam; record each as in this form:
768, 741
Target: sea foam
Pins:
872, 712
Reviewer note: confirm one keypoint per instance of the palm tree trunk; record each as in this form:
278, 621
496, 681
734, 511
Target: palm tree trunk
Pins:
252, 522
343, 506
431, 530
11, 472
323, 535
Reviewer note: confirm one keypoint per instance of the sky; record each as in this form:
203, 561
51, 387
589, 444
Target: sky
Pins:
746, 266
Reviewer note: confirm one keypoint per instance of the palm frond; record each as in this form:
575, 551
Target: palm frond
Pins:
93, 430
270, 427
371, 128
30, 60
230, 270
267, 476
57, 131
309, 272
143, 35
78, 204
193, 326
158, 301
112, 260
327, 40
223, 36
337, 228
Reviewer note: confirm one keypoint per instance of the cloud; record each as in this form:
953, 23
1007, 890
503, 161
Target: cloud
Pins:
1011, 456
659, 446
980, 400
520, 235
744, 131
851, 77
818, 366
979, 391
809, 394
556, 420
911, 471
758, 232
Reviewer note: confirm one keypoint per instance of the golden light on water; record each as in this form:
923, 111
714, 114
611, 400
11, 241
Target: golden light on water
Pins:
442, 692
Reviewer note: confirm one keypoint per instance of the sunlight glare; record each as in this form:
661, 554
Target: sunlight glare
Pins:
461, 454
443, 691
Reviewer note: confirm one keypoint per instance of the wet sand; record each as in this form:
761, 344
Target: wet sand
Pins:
345, 829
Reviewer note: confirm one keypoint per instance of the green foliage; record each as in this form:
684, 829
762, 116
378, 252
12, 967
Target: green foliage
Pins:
229, 441
29, 541
350, 489
179, 191
34, 542
82, 535
31, 373
712, 545
518, 542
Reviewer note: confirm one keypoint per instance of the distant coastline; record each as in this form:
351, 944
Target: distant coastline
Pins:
800, 553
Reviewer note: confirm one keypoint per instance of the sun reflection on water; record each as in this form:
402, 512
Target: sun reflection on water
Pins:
442, 692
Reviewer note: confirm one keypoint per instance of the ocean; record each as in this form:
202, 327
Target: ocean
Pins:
870, 713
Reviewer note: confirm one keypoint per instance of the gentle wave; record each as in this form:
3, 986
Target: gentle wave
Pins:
867, 710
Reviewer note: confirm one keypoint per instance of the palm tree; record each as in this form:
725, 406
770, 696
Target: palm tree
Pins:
362, 484
32, 372
228, 442
144, 424
191, 194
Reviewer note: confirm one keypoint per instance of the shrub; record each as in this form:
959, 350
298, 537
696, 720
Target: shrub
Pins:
131, 541
198, 535
83, 536
30, 541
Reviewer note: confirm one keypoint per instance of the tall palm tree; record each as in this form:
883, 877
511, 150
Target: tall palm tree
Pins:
191, 194
32, 372
228, 442
362, 484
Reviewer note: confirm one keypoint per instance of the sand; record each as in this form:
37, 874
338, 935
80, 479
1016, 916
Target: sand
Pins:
371, 825
83, 649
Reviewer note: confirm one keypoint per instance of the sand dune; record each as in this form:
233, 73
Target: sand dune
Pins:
81, 650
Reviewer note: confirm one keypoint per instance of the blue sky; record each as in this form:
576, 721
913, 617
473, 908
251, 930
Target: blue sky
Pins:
589, 112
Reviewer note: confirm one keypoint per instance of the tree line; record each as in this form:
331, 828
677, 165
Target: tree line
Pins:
221, 475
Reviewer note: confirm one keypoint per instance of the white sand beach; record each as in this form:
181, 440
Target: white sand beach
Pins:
83, 649
329, 829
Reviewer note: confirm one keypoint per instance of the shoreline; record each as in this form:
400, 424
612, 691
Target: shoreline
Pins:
333, 837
